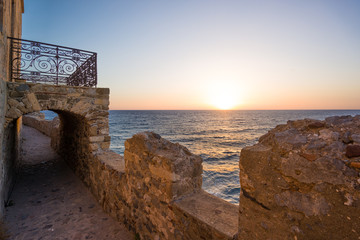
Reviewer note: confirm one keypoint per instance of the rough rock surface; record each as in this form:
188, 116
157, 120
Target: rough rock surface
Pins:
301, 181
158, 172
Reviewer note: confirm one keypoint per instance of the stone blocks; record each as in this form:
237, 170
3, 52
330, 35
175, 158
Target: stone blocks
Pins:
158, 172
301, 181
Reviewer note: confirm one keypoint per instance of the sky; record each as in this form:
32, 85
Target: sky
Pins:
207, 54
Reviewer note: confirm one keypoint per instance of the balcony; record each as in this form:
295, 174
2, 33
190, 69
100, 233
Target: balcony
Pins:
39, 62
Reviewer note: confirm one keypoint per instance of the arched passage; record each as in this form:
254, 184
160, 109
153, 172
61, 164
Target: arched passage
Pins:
47, 190
84, 130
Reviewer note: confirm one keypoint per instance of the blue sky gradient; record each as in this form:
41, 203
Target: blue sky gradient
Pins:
191, 54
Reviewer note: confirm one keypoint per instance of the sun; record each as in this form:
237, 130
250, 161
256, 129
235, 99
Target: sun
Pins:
224, 95
224, 101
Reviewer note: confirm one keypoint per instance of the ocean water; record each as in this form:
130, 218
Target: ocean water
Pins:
217, 136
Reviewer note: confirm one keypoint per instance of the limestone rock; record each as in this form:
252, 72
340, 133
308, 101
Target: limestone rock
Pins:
353, 150
310, 204
316, 124
305, 183
22, 88
33, 102
355, 138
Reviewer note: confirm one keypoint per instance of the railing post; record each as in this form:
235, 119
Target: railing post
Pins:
95, 69
11, 60
57, 65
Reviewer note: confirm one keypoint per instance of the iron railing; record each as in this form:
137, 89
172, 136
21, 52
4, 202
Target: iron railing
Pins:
51, 64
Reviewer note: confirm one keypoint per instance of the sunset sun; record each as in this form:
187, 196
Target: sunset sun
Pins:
224, 96
224, 102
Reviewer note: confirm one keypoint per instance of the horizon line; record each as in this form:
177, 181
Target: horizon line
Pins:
345, 109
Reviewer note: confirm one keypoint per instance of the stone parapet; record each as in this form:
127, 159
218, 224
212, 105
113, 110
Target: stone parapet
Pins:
38, 122
50, 128
168, 165
155, 189
204, 216
158, 172
301, 181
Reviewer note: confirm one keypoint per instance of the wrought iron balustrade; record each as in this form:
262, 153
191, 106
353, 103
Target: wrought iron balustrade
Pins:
51, 64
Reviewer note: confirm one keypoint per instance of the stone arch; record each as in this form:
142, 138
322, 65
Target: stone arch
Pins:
83, 114
82, 104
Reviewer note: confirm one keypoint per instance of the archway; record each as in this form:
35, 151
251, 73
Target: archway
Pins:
49, 200
84, 130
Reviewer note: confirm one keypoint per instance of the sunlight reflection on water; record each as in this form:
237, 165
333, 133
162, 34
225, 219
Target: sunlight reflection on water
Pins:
217, 136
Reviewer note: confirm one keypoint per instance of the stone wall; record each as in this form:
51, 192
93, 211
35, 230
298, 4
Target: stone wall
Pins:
3, 102
9, 145
158, 172
10, 159
10, 26
155, 189
301, 181
50, 128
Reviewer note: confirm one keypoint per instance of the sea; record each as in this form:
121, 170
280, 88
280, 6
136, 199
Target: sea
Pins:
216, 135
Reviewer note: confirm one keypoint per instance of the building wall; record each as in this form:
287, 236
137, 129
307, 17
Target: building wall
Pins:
2, 148
10, 26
